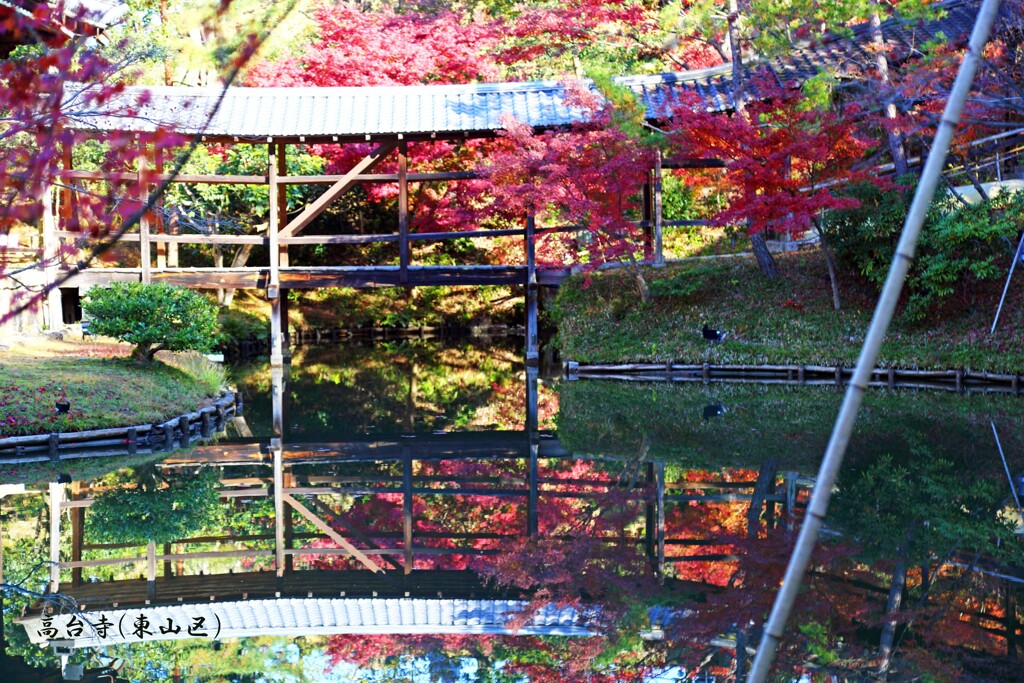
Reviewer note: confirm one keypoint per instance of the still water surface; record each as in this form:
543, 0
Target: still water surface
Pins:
448, 478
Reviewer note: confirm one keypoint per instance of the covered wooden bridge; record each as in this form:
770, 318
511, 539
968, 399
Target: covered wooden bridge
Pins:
379, 122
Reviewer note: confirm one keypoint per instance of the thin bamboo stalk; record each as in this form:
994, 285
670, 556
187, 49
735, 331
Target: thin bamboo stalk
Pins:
833, 459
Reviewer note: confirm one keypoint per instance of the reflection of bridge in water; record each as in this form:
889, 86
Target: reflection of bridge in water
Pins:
322, 541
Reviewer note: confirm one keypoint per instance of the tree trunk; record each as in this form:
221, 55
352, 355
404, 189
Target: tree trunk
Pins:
638, 275
896, 150
765, 260
736, 52
830, 262
892, 608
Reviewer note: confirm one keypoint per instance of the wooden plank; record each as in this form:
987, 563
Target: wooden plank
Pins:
77, 533
332, 534
342, 185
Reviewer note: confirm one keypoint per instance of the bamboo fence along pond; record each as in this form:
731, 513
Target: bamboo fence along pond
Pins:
141, 439
892, 378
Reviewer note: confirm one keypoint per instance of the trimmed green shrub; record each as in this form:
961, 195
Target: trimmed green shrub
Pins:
153, 317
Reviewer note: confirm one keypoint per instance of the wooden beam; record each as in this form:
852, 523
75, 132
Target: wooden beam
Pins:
336, 190
363, 558
440, 176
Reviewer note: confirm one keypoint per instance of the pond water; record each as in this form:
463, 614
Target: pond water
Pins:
406, 507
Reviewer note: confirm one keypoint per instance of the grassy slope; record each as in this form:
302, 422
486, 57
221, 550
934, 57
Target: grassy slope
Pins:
104, 392
781, 321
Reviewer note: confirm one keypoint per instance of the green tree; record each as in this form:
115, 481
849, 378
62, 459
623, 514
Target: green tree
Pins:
153, 317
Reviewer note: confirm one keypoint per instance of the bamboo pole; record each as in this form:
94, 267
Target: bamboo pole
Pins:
833, 458
1016, 257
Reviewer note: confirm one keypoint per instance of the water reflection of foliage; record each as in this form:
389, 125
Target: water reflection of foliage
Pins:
791, 424
392, 387
142, 505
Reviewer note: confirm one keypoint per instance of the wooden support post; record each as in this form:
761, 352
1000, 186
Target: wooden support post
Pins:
286, 341
650, 520
56, 498
534, 493
77, 530
282, 200
1010, 617
289, 529
278, 507
659, 484
659, 254
403, 213
51, 248
532, 343
66, 197
142, 193
532, 402
274, 285
891, 378
150, 571
277, 390
790, 478
762, 487
407, 507
168, 567
647, 216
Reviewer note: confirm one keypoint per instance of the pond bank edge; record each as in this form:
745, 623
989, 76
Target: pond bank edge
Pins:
954, 380
197, 425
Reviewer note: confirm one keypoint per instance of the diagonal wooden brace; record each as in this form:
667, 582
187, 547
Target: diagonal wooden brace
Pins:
337, 189
332, 534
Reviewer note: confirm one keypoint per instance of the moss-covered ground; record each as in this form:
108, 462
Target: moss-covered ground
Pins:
104, 388
786, 320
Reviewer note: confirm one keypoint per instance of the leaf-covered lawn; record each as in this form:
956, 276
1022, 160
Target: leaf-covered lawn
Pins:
789, 320
107, 392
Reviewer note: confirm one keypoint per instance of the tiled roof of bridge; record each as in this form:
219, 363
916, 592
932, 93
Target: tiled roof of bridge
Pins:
477, 108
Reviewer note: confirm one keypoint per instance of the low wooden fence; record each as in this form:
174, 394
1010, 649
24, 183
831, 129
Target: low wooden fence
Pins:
141, 439
838, 375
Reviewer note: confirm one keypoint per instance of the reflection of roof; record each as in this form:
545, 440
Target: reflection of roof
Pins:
315, 616
473, 108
